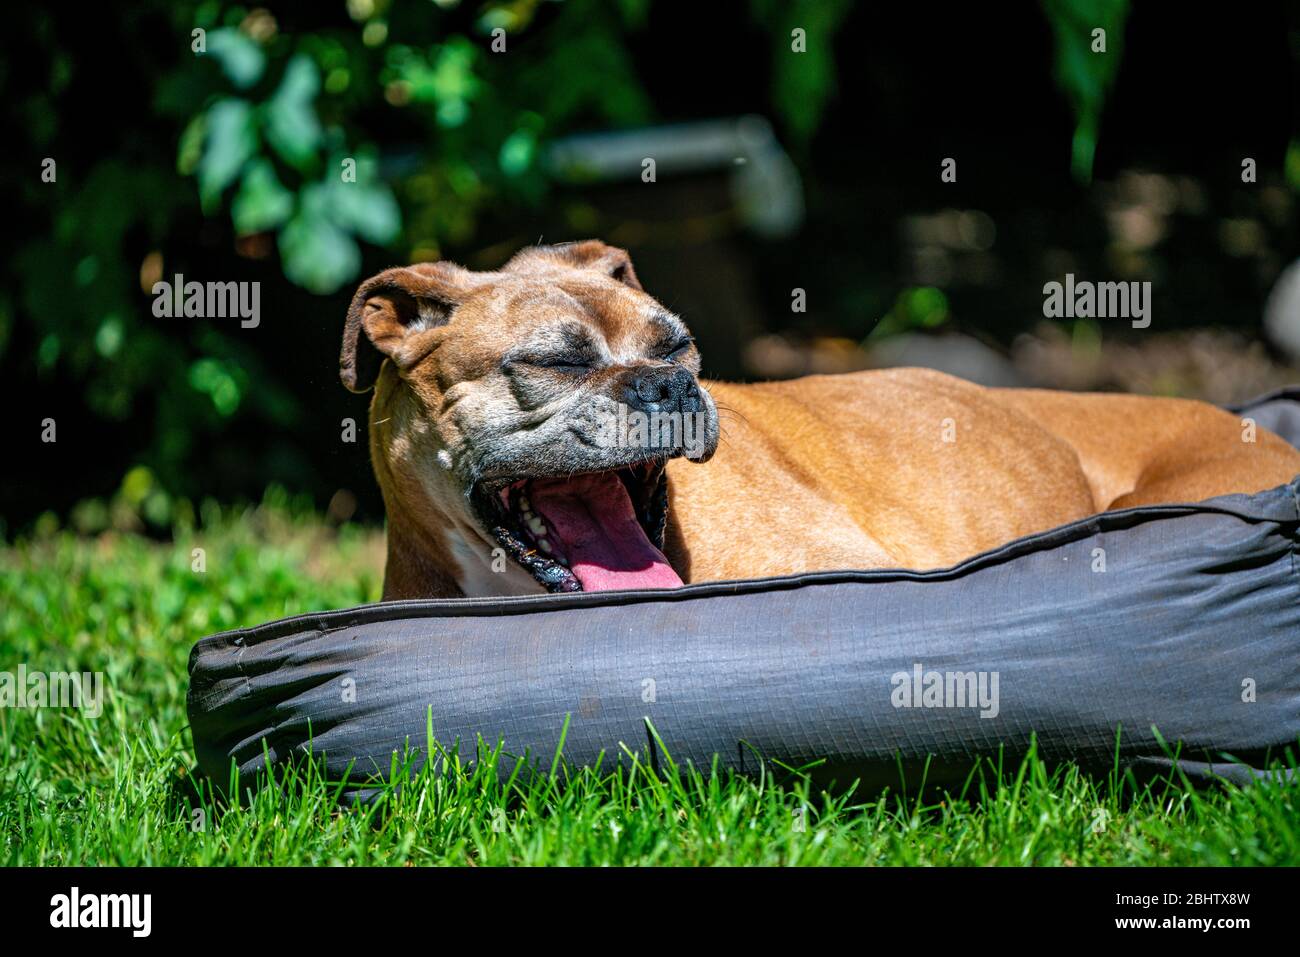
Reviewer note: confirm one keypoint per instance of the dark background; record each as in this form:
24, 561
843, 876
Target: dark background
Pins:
154, 416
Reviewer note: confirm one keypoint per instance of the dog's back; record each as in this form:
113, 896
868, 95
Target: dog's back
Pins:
914, 468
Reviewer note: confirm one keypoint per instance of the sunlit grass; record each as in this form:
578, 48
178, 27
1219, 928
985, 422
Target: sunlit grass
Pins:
116, 789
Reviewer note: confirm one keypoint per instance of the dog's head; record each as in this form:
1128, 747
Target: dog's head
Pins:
529, 412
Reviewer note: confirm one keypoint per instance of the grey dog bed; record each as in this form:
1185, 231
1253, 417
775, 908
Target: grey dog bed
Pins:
1116, 641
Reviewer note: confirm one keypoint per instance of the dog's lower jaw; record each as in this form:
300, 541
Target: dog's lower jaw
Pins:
484, 569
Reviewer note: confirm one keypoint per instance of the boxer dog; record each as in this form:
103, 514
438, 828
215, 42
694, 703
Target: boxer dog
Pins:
508, 434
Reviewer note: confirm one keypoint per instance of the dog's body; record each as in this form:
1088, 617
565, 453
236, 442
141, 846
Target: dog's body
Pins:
490, 422
910, 468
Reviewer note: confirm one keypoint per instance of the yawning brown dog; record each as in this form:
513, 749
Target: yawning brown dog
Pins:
541, 428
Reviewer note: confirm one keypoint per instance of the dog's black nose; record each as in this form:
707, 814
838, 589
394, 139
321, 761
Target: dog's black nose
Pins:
667, 388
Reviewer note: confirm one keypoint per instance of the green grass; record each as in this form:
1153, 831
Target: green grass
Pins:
116, 789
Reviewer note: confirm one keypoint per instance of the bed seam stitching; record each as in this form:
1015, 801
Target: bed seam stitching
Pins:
1295, 535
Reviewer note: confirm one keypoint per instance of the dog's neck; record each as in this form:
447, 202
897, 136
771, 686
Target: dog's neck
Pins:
415, 567
430, 554
452, 560
410, 571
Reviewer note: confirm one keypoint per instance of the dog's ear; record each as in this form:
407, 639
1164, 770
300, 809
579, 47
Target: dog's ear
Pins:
391, 305
588, 254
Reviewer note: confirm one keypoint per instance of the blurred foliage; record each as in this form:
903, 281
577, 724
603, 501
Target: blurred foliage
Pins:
918, 307
360, 123
310, 143
802, 84
1083, 70
287, 139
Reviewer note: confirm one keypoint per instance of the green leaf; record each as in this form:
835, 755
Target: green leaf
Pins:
240, 57
220, 381
802, 83
1083, 75
365, 207
262, 202
917, 307
317, 254
189, 149
47, 353
231, 140
292, 127
444, 77
517, 152
108, 339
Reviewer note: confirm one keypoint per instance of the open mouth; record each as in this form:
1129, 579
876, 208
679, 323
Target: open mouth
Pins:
596, 531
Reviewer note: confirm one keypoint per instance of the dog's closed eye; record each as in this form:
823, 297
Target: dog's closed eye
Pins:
674, 349
672, 340
568, 350
570, 358
566, 362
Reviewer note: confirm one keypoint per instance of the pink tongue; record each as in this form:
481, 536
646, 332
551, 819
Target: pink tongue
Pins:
592, 517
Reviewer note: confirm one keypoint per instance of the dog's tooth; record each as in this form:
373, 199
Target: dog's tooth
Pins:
562, 560
545, 545
523, 504
536, 525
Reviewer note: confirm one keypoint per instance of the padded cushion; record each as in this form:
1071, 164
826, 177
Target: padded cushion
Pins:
1181, 618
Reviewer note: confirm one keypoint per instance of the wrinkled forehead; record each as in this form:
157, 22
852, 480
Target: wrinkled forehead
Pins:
608, 315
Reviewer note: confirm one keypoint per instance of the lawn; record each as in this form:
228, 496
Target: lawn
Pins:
116, 789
